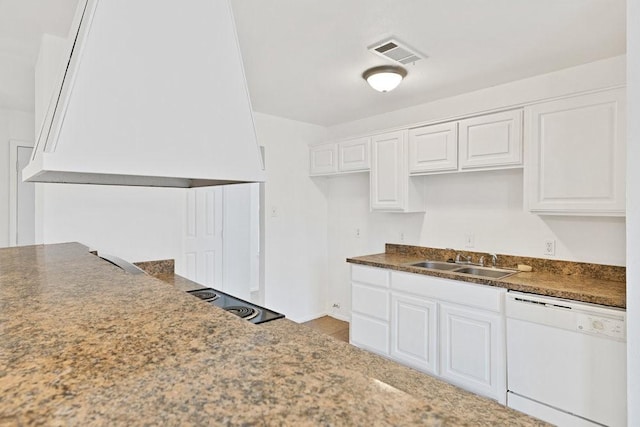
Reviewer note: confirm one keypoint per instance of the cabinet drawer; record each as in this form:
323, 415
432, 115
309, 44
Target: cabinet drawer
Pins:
370, 275
370, 334
469, 294
370, 300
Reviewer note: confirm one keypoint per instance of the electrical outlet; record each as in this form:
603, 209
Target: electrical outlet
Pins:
469, 241
274, 211
550, 247
336, 305
402, 236
357, 232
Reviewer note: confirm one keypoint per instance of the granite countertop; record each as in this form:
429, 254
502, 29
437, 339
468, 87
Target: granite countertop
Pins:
592, 283
84, 343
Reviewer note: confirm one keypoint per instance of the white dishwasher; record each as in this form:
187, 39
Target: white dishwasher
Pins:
566, 360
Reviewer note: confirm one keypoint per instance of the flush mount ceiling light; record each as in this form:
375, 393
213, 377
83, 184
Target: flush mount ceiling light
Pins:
384, 78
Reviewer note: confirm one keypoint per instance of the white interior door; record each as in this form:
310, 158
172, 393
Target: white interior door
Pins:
203, 239
22, 197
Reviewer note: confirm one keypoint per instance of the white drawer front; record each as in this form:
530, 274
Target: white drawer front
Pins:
469, 294
370, 301
370, 275
370, 334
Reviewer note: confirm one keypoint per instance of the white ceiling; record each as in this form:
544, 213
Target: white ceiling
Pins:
304, 59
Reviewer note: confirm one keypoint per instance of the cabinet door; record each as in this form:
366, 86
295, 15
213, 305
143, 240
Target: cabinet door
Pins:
413, 332
323, 159
576, 155
433, 148
388, 171
370, 334
472, 350
392, 190
354, 155
491, 141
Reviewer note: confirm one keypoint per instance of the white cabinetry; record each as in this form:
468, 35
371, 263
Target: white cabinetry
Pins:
491, 141
414, 333
433, 148
340, 157
576, 155
353, 155
391, 187
451, 329
369, 327
471, 351
323, 159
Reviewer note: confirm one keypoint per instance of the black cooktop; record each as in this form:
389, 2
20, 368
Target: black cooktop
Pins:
241, 308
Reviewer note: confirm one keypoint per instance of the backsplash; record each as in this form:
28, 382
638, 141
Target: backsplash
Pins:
157, 268
578, 269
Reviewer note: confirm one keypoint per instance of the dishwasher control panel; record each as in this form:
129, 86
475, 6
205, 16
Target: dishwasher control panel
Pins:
603, 326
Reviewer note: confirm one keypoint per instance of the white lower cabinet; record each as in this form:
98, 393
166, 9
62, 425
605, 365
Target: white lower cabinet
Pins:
450, 329
414, 333
472, 350
369, 327
370, 334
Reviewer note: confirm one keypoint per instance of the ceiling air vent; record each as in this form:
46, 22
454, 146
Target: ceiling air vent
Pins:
396, 51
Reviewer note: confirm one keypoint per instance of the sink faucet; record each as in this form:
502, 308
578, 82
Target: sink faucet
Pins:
467, 259
494, 260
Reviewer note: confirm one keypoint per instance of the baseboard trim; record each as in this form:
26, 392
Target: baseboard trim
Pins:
340, 317
308, 318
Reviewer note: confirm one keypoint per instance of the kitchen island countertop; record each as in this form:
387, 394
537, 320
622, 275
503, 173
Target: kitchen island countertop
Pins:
84, 343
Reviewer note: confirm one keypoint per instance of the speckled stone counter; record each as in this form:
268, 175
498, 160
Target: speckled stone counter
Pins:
592, 283
84, 343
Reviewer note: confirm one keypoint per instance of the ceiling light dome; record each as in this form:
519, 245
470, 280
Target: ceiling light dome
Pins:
384, 78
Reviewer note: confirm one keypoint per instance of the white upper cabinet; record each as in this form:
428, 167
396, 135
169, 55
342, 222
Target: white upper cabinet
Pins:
353, 155
391, 187
323, 159
575, 161
340, 157
433, 148
491, 141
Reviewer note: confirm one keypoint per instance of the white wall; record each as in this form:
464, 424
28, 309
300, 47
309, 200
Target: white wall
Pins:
296, 237
16, 125
239, 256
633, 214
488, 204
134, 223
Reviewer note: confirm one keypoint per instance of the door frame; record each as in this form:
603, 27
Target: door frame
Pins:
13, 188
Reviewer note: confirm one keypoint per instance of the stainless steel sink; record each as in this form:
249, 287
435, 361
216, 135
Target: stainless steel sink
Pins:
493, 273
436, 265
485, 272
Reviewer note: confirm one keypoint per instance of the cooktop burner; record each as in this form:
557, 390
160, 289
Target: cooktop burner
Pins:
205, 294
244, 312
241, 308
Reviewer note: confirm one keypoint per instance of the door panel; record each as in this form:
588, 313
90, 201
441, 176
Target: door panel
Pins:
203, 239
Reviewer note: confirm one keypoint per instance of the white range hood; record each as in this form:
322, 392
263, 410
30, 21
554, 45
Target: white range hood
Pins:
153, 93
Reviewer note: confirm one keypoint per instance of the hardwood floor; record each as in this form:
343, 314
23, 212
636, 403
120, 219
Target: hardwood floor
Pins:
330, 326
